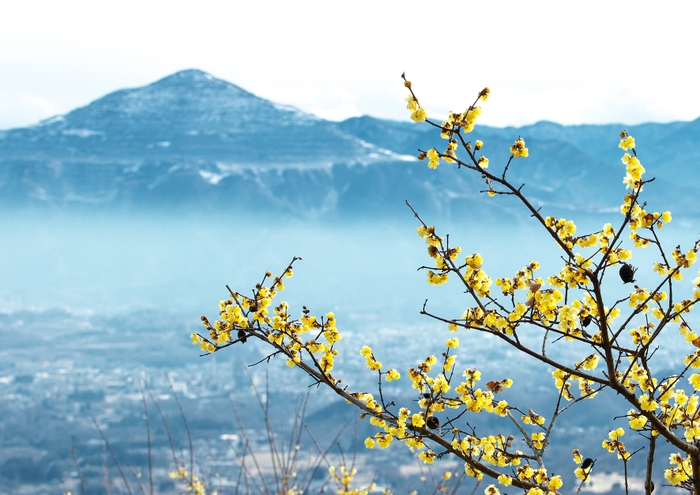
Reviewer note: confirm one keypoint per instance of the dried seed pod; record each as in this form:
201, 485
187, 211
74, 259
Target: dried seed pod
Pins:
495, 387
627, 272
586, 320
242, 336
587, 462
433, 423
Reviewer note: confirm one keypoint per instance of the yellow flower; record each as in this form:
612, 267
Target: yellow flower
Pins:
419, 115
695, 381
411, 103
555, 483
393, 375
505, 480
417, 420
627, 142
492, 490
518, 149
369, 443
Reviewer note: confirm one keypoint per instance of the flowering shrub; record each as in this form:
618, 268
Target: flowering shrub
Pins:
616, 339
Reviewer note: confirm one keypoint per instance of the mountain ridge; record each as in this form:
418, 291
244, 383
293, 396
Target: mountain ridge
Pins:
192, 140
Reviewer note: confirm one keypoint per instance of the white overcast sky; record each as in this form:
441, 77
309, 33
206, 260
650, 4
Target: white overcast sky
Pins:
571, 62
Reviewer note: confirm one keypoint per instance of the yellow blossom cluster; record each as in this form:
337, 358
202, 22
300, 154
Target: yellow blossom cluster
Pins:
450, 154
491, 319
687, 259
392, 375
518, 149
532, 418
582, 472
370, 360
540, 477
637, 377
524, 279
467, 119
493, 449
672, 406
398, 430
626, 141
344, 480
440, 256
193, 483
418, 113
589, 363
242, 317
433, 158
545, 305
569, 317
641, 335
537, 440
562, 380
680, 470
635, 170
572, 274
610, 314
475, 276
563, 228
614, 444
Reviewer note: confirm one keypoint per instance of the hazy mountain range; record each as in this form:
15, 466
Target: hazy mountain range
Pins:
193, 141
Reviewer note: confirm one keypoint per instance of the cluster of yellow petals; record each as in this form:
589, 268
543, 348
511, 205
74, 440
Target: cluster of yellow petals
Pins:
523, 279
680, 471
565, 229
242, 316
518, 149
476, 277
540, 477
493, 449
581, 472
418, 113
439, 255
370, 360
687, 259
532, 418
466, 120
635, 170
193, 483
614, 444
433, 158
344, 480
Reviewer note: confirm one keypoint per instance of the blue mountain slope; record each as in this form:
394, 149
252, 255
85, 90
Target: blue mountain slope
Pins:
193, 141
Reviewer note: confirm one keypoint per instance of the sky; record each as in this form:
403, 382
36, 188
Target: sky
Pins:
568, 62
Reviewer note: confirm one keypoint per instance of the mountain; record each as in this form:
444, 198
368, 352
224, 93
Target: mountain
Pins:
191, 141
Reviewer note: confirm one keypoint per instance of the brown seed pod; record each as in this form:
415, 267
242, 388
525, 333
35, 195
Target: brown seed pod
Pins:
495, 387
587, 462
433, 423
627, 272
242, 336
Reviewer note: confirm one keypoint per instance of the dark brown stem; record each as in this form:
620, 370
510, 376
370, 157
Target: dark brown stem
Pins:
648, 483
